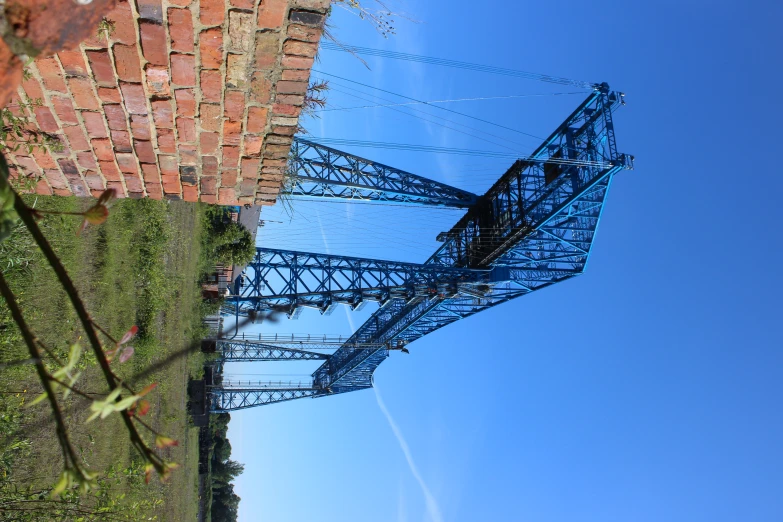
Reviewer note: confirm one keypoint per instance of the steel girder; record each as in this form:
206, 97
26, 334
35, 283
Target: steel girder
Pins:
322, 172
231, 399
236, 351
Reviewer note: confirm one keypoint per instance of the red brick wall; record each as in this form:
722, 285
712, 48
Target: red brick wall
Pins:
190, 99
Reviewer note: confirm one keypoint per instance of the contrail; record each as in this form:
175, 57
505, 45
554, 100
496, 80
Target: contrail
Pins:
432, 504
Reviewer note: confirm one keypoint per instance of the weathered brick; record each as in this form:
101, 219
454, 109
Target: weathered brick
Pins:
109, 95
181, 30
228, 178
121, 140
267, 47
42, 188
94, 124
276, 139
306, 18
154, 190
232, 132
171, 188
126, 59
150, 173
188, 155
290, 87
256, 119
55, 178
230, 157
276, 151
32, 88
181, 3
243, 4
135, 99
81, 90
260, 88
71, 172
212, 12
253, 144
153, 42
284, 121
183, 70
271, 13
45, 119
304, 33
134, 184
296, 62
162, 114
140, 126
144, 151
51, 74
86, 160
109, 170
211, 86
247, 187
168, 165
210, 44
190, 194
249, 168
282, 109
124, 23
166, 141
186, 102
115, 115
210, 116
63, 192
299, 75
209, 142
314, 5
234, 104
102, 149
240, 30
150, 10
100, 63
208, 185
208, 198
118, 188
64, 109
290, 131
127, 162
297, 48
44, 159
27, 165
236, 71
186, 130
94, 181
227, 196
73, 63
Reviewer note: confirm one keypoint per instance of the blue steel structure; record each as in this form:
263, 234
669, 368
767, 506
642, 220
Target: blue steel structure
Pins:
533, 228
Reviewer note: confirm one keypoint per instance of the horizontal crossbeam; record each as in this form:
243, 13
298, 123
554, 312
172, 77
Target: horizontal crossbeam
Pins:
235, 351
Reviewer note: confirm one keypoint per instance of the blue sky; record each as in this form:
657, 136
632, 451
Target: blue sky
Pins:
649, 388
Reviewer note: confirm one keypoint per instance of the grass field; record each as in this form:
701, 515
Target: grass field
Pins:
140, 267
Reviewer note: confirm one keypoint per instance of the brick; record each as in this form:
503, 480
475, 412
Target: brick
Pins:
290, 99
188, 155
271, 13
153, 42
33, 89
232, 132
102, 149
230, 157
282, 109
209, 166
133, 182
181, 3
236, 71
186, 102
163, 114
109, 170
209, 198
250, 168
210, 44
211, 86
51, 74
208, 185
109, 95
186, 130
115, 115
227, 196
94, 181
140, 127
243, 4
247, 187
63, 145
267, 47
27, 165
144, 151
209, 141
42, 188
166, 141
71, 172
116, 186
44, 159
296, 48
181, 30
135, 99
256, 119
306, 18
253, 144
260, 88
296, 62
64, 109
73, 63
150, 173
276, 151
127, 163
100, 63
284, 121
63, 192
263, 188
157, 79
126, 59
96, 40
154, 190
150, 10
304, 33
188, 175
212, 12
290, 131
234, 105
183, 70
171, 188
124, 24
290, 87
210, 117
190, 194
228, 178
240, 31
55, 178
45, 119
94, 124
314, 5
300, 75
121, 140
81, 90
86, 160
168, 165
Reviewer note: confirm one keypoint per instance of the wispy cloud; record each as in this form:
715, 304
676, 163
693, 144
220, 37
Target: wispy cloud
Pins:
432, 505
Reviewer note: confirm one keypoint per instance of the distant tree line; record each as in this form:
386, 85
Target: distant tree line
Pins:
225, 502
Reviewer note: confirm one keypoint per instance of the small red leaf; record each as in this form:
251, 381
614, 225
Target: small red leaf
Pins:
129, 334
97, 214
144, 407
107, 196
148, 389
164, 442
126, 353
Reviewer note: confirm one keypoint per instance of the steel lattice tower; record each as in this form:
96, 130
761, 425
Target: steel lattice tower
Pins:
533, 228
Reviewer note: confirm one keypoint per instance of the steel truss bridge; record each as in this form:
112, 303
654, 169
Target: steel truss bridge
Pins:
533, 228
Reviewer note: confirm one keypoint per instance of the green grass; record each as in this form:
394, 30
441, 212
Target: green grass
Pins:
140, 267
